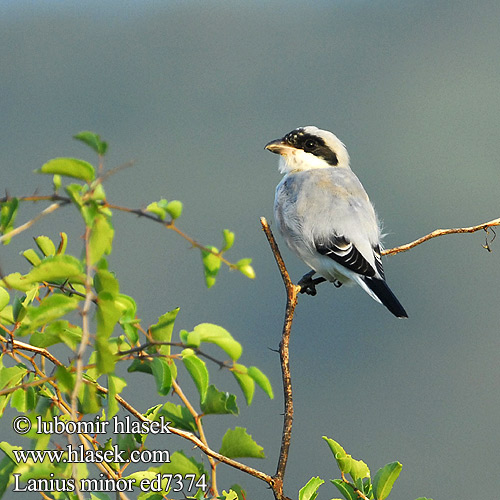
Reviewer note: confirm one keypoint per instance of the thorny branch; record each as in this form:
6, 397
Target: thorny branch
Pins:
197, 350
13, 347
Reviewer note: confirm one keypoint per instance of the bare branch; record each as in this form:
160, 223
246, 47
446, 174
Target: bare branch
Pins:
291, 292
442, 232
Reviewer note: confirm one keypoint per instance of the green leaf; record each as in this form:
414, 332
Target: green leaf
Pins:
69, 167
181, 464
346, 489
56, 182
6, 316
245, 268
92, 140
108, 315
16, 281
32, 257
4, 298
89, 400
106, 359
244, 380
75, 192
218, 402
228, 240
179, 416
214, 334
10, 377
150, 476
141, 366
65, 379
211, 265
162, 331
50, 308
56, 332
115, 386
240, 492
237, 443
384, 480
46, 245
198, 371
347, 464
158, 208
19, 310
174, 209
7, 465
229, 495
162, 375
24, 399
57, 268
101, 238
63, 243
8, 214
105, 281
310, 490
262, 380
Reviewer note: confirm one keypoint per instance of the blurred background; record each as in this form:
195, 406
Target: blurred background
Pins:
192, 91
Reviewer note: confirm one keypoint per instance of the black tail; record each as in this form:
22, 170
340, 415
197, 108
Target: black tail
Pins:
383, 292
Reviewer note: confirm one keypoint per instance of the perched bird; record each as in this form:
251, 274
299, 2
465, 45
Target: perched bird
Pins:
326, 217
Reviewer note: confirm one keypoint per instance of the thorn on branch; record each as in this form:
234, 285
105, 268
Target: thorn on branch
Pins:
487, 243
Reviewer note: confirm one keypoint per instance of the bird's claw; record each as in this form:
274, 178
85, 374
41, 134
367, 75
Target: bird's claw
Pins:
308, 284
309, 289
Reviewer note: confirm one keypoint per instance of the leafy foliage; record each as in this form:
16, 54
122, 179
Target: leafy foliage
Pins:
49, 305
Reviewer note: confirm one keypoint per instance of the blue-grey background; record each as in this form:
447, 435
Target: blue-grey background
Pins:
192, 91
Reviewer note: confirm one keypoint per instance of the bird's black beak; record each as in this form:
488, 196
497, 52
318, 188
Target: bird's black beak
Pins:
278, 146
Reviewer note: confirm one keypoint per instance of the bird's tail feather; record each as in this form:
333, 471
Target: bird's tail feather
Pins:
380, 291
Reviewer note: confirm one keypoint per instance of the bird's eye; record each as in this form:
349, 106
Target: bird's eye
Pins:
310, 144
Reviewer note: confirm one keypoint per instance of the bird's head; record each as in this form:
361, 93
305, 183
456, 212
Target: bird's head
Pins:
306, 148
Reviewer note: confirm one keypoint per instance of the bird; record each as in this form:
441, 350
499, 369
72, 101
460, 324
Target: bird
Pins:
325, 216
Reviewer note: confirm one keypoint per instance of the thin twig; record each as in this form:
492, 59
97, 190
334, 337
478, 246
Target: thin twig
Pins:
194, 439
441, 232
197, 350
27, 225
197, 418
291, 293
170, 224
103, 177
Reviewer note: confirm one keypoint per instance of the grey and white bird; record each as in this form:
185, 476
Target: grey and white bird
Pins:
326, 217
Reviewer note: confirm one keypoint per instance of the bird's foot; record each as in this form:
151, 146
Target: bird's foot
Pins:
308, 284
337, 283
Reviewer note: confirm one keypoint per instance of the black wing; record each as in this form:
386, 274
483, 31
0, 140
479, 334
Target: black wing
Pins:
347, 255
